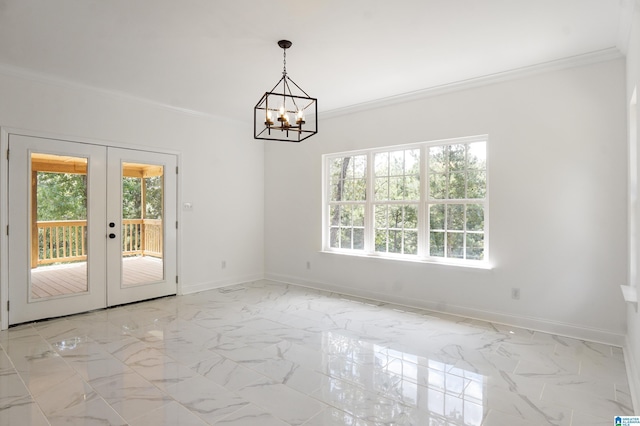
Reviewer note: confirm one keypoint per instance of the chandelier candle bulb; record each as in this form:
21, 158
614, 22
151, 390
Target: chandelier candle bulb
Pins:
283, 117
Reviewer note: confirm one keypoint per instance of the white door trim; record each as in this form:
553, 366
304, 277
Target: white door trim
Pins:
5, 131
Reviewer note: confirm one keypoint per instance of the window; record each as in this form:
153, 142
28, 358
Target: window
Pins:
347, 180
396, 201
423, 201
455, 200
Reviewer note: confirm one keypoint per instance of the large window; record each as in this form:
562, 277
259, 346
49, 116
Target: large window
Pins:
423, 201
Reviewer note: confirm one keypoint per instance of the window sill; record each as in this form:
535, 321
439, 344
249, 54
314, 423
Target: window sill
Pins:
630, 295
430, 261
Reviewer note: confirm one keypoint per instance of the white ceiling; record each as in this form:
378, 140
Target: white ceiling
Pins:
218, 57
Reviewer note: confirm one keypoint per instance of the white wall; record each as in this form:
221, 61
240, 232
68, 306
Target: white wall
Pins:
633, 317
557, 170
221, 168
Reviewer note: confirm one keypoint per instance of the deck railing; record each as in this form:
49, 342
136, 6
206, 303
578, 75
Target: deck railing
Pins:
142, 237
62, 241
66, 240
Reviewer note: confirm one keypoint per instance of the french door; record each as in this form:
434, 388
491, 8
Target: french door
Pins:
89, 227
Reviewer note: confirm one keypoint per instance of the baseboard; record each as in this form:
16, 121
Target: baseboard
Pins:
211, 285
531, 323
632, 375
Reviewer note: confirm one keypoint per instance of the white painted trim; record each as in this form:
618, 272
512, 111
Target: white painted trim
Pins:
471, 264
630, 295
42, 78
212, 285
560, 64
531, 323
4, 220
632, 375
625, 23
86, 140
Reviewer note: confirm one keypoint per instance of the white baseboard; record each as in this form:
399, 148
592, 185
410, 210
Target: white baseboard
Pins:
531, 323
211, 285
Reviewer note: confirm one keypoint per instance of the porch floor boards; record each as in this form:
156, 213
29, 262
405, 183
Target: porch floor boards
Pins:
58, 280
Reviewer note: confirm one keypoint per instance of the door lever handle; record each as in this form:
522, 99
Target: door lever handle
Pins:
112, 236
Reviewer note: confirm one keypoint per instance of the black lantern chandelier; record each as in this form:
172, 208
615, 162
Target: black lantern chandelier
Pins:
286, 113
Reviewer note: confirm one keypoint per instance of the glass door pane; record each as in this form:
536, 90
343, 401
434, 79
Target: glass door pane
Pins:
58, 220
142, 224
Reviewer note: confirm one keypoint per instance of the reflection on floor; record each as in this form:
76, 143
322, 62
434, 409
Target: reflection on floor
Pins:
57, 280
270, 354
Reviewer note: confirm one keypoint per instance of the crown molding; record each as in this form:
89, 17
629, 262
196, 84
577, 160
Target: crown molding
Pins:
573, 61
627, 9
604, 55
47, 79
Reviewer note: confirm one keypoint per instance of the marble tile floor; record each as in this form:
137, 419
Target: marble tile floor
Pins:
268, 354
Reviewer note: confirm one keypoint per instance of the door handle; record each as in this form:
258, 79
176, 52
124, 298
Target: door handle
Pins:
112, 236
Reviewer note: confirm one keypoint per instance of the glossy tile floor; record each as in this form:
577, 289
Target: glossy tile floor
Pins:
269, 354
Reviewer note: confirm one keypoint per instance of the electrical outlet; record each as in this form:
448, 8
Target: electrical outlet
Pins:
224, 264
308, 265
515, 293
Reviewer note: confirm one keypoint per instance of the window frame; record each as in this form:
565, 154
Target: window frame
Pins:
423, 203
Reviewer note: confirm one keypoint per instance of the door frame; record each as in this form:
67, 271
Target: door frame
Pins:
5, 132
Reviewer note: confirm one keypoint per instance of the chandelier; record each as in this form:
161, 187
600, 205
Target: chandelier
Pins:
286, 113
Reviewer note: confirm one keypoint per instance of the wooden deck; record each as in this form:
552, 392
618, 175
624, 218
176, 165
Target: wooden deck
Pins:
57, 280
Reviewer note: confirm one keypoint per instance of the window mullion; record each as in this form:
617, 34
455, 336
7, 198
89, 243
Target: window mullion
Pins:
445, 239
326, 214
466, 196
369, 233
423, 208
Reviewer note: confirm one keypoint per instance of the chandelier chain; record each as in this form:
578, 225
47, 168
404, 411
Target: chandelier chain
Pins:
284, 62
